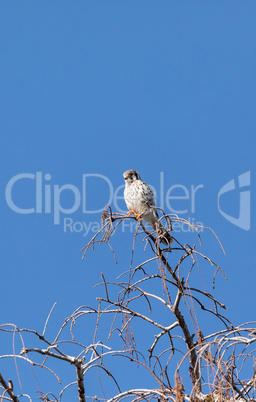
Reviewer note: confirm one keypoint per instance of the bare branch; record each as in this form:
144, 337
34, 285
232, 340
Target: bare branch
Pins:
8, 388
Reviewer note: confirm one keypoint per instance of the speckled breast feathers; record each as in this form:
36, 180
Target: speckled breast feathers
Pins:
140, 199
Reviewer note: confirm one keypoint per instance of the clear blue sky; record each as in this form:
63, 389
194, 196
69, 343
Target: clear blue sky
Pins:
167, 88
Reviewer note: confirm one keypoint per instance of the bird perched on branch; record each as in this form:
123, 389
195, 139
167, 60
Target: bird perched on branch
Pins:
140, 201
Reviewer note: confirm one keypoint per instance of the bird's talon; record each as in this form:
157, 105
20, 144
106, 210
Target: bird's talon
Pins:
137, 216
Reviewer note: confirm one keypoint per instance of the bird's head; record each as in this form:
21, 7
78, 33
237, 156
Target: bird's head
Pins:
130, 176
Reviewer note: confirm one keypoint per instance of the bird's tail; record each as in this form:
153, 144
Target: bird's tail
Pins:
164, 236
152, 219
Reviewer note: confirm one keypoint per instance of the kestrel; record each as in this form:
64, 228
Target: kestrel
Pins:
140, 200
